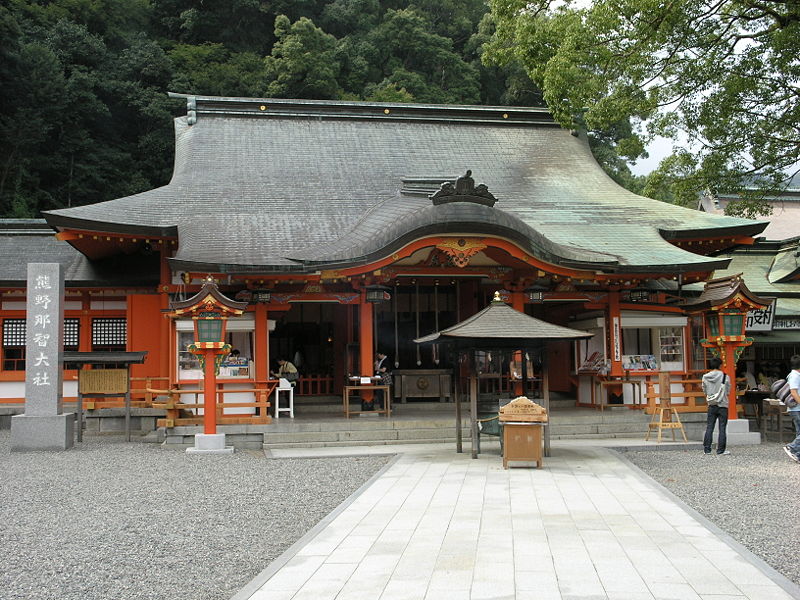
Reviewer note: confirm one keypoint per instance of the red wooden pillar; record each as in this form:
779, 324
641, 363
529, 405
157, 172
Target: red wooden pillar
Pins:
615, 333
85, 327
261, 350
729, 368
210, 392
365, 341
168, 366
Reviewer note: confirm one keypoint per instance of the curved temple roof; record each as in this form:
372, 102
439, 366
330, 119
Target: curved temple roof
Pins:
284, 185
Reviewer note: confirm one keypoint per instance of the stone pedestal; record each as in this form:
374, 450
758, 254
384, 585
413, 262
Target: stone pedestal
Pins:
210, 443
739, 433
46, 432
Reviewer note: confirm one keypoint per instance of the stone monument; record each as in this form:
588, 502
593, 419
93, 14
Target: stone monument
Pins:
44, 425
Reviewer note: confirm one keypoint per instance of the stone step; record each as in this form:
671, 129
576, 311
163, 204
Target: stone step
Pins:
268, 446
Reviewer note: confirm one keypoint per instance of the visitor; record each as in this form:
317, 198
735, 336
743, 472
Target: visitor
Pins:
382, 371
287, 371
716, 387
793, 379
745, 380
234, 358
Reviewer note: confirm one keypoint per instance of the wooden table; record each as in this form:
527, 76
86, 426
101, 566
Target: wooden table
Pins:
767, 410
387, 400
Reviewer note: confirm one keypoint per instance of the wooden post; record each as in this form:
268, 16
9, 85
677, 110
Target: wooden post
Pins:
519, 386
473, 404
546, 400
454, 381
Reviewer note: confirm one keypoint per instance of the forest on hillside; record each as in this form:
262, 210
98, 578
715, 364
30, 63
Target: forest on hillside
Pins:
84, 112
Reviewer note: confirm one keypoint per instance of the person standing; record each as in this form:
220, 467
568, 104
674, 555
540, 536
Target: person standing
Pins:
716, 387
382, 371
793, 379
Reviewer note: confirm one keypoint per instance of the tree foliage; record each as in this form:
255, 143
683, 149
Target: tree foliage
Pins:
84, 114
721, 75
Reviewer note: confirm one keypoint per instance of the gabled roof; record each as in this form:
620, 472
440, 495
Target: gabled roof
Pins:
290, 185
500, 325
32, 240
720, 291
786, 265
766, 269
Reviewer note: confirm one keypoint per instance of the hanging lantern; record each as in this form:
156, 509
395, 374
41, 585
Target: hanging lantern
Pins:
377, 294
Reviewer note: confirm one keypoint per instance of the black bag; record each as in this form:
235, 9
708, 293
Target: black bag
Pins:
291, 376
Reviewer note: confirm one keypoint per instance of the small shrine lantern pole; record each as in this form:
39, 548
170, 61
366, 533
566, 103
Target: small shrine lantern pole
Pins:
724, 305
209, 309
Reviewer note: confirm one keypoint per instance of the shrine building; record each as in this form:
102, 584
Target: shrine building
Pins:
354, 227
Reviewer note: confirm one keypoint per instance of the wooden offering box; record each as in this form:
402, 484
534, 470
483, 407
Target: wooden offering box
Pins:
523, 410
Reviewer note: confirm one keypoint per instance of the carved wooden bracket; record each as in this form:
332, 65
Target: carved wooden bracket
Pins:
461, 249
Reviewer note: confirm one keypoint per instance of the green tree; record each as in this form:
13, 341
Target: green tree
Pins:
303, 61
508, 84
722, 73
410, 56
239, 25
83, 114
213, 70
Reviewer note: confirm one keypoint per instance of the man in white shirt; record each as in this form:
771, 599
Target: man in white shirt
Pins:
793, 448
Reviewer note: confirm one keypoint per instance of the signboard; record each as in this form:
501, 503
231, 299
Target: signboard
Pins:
761, 319
617, 335
786, 323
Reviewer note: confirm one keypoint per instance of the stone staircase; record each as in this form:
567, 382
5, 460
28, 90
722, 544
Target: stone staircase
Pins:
319, 424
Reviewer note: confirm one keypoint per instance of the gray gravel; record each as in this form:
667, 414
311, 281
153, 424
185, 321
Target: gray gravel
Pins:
752, 494
111, 519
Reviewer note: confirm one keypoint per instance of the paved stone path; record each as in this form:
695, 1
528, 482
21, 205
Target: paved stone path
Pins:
439, 525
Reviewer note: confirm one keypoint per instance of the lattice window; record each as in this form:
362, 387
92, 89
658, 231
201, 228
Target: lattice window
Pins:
71, 333
14, 344
109, 334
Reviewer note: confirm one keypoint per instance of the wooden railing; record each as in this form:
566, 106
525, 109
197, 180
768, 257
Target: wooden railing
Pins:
314, 385
694, 398
503, 385
179, 412
690, 399
140, 387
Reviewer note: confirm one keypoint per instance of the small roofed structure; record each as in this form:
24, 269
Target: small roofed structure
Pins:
724, 292
111, 381
499, 327
724, 305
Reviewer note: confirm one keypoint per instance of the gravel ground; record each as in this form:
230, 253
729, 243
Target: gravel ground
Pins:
752, 494
110, 519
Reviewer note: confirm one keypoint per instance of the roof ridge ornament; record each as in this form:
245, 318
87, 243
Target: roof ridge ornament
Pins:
191, 110
463, 190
